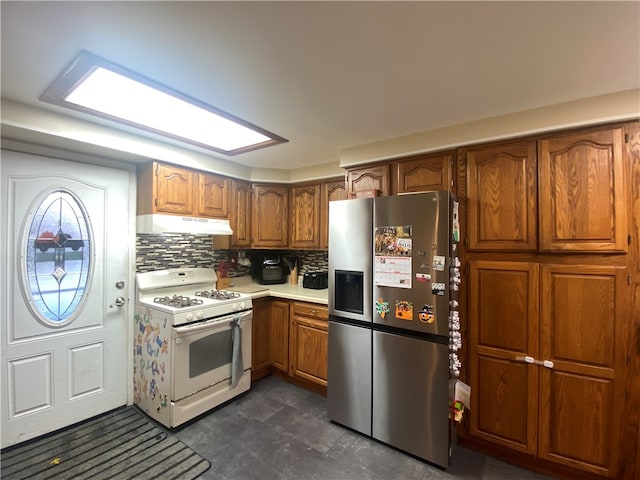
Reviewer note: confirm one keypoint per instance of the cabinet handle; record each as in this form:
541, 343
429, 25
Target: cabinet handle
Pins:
548, 363
526, 359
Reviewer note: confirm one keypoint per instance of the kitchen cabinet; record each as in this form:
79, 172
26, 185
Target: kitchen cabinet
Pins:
547, 360
164, 188
240, 217
213, 195
331, 190
279, 312
260, 338
305, 201
309, 343
501, 196
582, 192
424, 173
363, 180
270, 216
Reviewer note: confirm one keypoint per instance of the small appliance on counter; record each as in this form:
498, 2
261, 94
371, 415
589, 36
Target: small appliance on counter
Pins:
315, 280
270, 270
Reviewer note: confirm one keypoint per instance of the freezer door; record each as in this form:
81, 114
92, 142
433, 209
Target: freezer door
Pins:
411, 395
349, 377
411, 265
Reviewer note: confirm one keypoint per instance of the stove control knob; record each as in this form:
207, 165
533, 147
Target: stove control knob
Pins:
189, 317
234, 307
200, 314
242, 306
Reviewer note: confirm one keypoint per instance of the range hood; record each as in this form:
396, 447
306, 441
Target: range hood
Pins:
158, 223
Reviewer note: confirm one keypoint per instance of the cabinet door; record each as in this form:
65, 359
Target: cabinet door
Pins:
582, 192
240, 214
368, 179
308, 347
213, 196
175, 188
581, 393
502, 201
425, 173
270, 213
305, 216
503, 329
260, 339
333, 190
279, 335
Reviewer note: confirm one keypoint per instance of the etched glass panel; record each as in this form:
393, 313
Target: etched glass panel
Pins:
58, 257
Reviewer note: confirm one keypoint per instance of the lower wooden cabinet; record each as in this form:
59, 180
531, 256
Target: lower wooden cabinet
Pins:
308, 343
547, 360
279, 335
290, 340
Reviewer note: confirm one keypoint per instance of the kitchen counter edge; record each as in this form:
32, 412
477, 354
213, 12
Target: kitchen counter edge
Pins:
284, 290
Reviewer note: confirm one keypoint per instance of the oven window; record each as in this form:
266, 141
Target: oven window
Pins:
209, 353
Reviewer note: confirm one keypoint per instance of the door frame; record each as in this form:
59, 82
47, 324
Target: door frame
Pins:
69, 156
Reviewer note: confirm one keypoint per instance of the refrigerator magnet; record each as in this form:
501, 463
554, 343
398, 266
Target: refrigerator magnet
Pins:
404, 310
382, 307
423, 277
426, 314
438, 289
438, 263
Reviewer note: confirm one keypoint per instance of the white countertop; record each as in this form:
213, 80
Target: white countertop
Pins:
284, 290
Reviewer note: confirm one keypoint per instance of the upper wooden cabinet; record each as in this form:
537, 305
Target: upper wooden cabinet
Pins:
164, 188
270, 216
582, 192
365, 179
502, 197
305, 216
424, 173
332, 190
213, 195
240, 214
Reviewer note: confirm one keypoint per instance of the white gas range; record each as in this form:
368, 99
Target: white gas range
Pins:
192, 348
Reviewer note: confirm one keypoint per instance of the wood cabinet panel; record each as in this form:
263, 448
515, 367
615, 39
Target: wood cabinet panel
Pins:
502, 200
270, 216
582, 333
332, 190
305, 216
174, 189
309, 345
213, 196
425, 173
582, 192
279, 335
503, 329
240, 214
375, 177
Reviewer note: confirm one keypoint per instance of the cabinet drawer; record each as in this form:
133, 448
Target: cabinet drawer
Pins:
313, 310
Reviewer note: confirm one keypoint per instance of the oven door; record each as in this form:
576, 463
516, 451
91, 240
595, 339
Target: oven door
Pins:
202, 354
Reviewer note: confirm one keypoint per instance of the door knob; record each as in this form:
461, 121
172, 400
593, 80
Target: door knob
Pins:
120, 301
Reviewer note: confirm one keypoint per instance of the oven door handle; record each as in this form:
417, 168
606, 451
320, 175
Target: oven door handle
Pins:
222, 322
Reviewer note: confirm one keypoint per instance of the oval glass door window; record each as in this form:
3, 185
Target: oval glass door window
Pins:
58, 258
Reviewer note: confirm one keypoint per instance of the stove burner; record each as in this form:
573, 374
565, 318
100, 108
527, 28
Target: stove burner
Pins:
178, 301
218, 294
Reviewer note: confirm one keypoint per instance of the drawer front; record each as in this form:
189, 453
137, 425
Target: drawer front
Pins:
311, 310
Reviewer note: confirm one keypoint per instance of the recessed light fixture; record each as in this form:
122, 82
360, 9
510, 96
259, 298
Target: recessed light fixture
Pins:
95, 86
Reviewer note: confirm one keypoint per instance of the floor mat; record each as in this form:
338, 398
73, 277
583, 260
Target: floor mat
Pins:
119, 445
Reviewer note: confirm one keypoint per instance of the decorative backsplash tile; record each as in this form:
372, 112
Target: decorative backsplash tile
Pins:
159, 252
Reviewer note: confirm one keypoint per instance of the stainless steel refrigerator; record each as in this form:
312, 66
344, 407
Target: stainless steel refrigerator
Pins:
393, 283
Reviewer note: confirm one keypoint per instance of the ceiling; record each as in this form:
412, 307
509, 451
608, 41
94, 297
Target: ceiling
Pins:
329, 76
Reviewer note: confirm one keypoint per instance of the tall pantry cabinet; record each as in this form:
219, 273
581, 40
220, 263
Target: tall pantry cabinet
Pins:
550, 295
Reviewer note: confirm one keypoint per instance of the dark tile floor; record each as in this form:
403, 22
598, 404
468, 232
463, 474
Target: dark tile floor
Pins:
278, 431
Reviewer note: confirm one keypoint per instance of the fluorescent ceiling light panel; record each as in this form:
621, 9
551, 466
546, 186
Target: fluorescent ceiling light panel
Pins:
94, 86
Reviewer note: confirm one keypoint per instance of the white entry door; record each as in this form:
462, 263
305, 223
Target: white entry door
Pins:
64, 285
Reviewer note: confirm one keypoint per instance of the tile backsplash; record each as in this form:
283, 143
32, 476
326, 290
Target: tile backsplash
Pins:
158, 252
